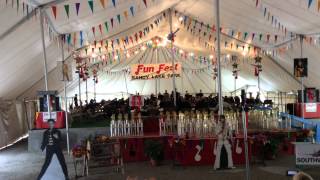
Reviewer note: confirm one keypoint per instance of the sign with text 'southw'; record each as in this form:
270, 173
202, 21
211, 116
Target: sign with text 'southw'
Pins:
155, 71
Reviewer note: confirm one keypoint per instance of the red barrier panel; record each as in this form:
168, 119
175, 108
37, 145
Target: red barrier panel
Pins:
41, 124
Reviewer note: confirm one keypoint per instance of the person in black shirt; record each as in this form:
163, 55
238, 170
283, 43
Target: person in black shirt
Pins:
75, 99
51, 142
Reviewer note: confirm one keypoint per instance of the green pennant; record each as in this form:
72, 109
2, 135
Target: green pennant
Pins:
260, 37
91, 5
18, 5
66, 8
119, 18
245, 35
106, 25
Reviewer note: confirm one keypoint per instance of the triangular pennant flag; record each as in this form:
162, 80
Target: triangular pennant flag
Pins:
125, 13
114, 3
106, 26
239, 34
69, 38
77, 8
309, 3
102, 3
253, 34
111, 22
145, 2
18, 5
275, 38
90, 2
268, 37
81, 38
54, 11
318, 5
245, 35
132, 10
260, 37
66, 8
265, 12
119, 17
94, 31
257, 3
100, 28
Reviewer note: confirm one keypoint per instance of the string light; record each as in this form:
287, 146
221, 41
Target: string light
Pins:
191, 54
181, 51
136, 52
228, 56
143, 48
211, 56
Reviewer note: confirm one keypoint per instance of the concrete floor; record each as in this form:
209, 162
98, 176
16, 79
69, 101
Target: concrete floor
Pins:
17, 164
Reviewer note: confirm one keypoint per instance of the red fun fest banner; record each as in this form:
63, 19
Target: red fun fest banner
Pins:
154, 71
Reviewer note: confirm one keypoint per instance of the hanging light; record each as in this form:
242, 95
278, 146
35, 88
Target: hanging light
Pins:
181, 18
211, 56
191, 54
143, 48
181, 51
228, 56
136, 52
93, 55
128, 55
116, 57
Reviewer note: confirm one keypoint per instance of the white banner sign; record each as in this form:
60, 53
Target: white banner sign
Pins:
46, 115
307, 153
155, 71
311, 107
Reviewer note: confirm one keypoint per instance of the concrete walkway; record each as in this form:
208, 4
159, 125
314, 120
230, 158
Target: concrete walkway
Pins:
17, 164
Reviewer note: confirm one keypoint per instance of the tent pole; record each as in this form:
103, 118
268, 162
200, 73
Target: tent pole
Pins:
45, 66
94, 89
218, 57
79, 84
173, 63
156, 79
65, 99
125, 80
87, 90
302, 86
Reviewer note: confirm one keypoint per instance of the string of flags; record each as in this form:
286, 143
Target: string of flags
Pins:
92, 6
22, 6
270, 17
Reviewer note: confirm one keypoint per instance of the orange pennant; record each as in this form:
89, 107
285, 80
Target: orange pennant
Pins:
54, 11
125, 13
318, 5
102, 3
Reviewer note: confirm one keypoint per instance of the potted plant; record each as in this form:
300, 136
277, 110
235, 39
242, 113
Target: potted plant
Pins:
154, 150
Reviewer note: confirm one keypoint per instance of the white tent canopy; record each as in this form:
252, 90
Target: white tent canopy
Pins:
22, 58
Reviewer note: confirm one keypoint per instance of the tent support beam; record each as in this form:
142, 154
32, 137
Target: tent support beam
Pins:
65, 97
173, 63
45, 65
218, 57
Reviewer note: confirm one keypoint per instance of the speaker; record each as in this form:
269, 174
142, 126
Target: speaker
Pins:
290, 108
